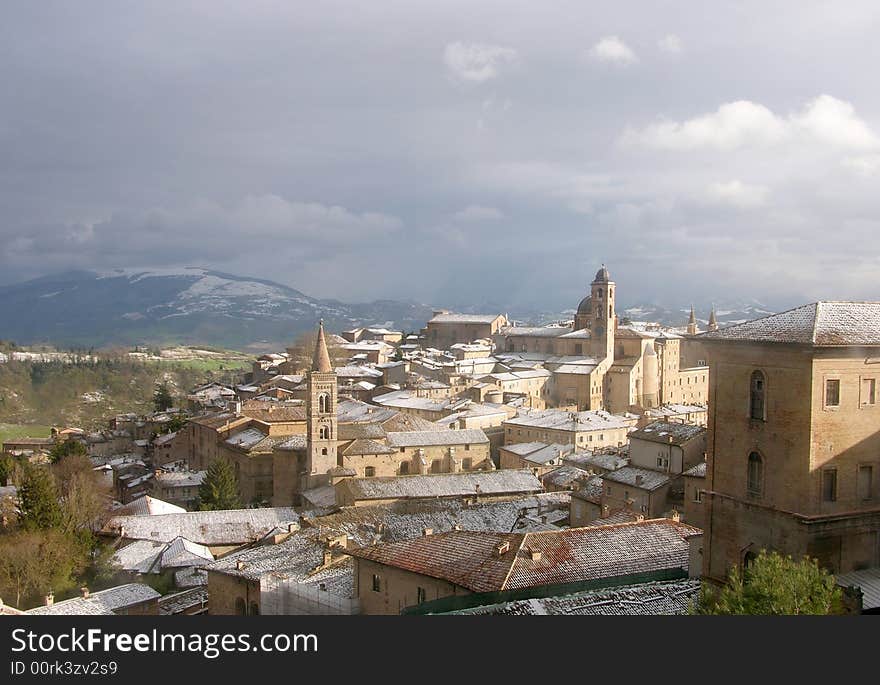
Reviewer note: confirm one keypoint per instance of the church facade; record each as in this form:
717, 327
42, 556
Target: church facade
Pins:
599, 365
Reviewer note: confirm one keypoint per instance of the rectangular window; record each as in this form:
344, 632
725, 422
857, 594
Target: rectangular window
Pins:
829, 485
436, 466
420, 595
466, 464
869, 392
376, 583
866, 482
369, 471
698, 495
832, 392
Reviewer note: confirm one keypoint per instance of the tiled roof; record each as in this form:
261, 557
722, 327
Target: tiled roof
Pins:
479, 562
868, 580
407, 520
644, 479
590, 490
668, 598
698, 471
355, 431
103, 602
558, 419
355, 411
668, 433
546, 453
464, 318
465, 436
294, 442
821, 324
275, 412
181, 601
504, 481
604, 461
212, 528
535, 331
401, 423
148, 506
364, 446
564, 476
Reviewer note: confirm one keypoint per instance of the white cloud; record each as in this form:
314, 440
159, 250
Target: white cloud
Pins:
732, 125
612, 49
671, 43
476, 62
476, 213
737, 194
834, 121
825, 120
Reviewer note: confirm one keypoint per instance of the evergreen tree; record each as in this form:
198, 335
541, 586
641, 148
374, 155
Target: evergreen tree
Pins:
775, 584
38, 497
162, 399
67, 448
219, 490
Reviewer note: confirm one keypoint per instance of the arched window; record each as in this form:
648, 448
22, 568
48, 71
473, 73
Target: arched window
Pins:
324, 433
757, 388
404, 468
324, 404
755, 485
240, 607
255, 610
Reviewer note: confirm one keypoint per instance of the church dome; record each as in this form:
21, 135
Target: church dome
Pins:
602, 276
586, 306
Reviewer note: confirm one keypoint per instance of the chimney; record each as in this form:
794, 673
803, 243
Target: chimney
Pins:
534, 554
639, 480
328, 557
50, 599
675, 516
85, 592
502, 549
239, 565
292, 527
457, 526
640, 517
606, 510
427, 531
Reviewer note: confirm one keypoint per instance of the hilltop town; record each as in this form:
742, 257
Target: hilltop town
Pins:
478, 467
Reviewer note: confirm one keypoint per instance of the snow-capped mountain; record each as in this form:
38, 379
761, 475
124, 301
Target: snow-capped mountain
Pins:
127, 306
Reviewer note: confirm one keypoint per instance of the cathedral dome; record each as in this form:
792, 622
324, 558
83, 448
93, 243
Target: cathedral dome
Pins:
586, 306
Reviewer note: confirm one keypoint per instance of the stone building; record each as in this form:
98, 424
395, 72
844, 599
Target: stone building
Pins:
610, 367
794, 438
446, 329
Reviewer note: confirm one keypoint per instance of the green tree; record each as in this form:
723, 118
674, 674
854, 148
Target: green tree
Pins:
33, 562
7, 466
219, 490
162, 399
67, 448
38, 499
774, 584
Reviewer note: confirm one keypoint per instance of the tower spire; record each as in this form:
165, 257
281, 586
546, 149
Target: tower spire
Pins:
713, 322
321, 358
692, 322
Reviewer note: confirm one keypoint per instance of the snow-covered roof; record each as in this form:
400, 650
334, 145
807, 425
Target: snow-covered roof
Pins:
821, 324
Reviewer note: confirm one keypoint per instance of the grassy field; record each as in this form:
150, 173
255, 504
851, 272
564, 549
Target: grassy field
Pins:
13, 431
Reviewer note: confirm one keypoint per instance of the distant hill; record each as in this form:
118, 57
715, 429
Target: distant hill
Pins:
186, 306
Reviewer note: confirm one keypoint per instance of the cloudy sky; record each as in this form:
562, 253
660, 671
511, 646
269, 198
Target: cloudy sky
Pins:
449, 151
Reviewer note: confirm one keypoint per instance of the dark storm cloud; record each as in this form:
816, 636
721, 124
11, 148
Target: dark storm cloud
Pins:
447, 152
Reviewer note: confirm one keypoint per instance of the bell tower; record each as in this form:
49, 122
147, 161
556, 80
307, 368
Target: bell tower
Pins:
321, 419
602, 294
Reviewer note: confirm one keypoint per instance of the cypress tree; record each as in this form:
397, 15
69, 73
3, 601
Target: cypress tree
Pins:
38, 497
219, 490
